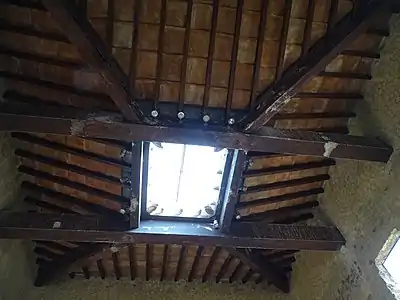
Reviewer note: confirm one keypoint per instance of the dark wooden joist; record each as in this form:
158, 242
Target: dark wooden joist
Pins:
117, 270
289, 168
181, 262
74, 185
105, 125
41, 206
236, 272
101, 269
31, 31
70, 150
346, 75
273, 98
295, 219
80, 228
132, 264
224, 268
45, 59
280, 198
69, 167
330, 95
196, 260
210, 264
232, 189
296, 116
94, 51
284, 184
165, 262
247, 276
280, 213
26, 4
47, 272
361, 53
259, 51
149, 261
234, 58
267, 269
91, 96
308, 27
44, 252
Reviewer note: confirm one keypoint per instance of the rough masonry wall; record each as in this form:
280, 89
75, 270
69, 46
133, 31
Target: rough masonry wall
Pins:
15, 268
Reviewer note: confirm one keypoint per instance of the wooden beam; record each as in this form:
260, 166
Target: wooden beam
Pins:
94, 51
280, 198
266, 139
265, 268
70, 150
81, 228
231, 196
69, 167
289, 168
285, 184
273, 98
48, 271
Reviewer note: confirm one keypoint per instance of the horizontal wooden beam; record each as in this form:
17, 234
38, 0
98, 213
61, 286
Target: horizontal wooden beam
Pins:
280, 213
94, 51
80, 228
289, 168
117, 199
69, 167
285, 184
273, 98
70, 150
267, 139
280, 198
68, 202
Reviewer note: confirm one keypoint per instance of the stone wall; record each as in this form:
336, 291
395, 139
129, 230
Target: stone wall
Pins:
15, 268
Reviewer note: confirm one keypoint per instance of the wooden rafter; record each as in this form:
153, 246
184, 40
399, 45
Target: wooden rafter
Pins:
264, 267
273, 98
81, 228
71, 122
93, 50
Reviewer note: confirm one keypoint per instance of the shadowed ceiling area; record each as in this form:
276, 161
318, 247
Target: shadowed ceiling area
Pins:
88, 85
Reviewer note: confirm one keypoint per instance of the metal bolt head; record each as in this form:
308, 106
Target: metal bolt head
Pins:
181, 115
215, 224
206, 118
231, 121
154, 113
122, 211
250, 162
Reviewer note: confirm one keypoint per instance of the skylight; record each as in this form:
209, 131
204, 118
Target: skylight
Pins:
184, 180
388, 263
392, 262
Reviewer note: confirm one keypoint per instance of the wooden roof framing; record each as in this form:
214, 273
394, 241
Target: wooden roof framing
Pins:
84, 87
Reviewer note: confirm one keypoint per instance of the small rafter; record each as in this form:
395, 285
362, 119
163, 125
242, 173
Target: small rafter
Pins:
273, 98
93, 50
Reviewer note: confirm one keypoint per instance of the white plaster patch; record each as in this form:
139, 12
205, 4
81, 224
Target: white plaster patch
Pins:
57, 224
329, 147
77, 127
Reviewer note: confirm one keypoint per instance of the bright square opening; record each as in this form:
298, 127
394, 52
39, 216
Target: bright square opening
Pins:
184, 180
388, 263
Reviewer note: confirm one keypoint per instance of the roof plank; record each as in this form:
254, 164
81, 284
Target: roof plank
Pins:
273, 98
93, 50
